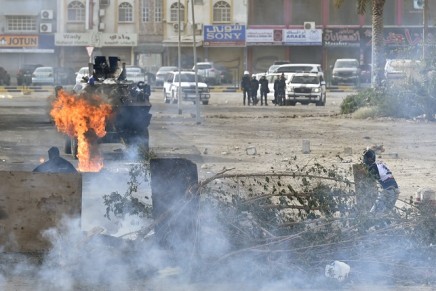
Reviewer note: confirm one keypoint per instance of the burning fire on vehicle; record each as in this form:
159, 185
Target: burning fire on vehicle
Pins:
83, 118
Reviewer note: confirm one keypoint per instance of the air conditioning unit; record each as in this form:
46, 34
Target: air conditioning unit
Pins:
177, 28
309, 25
101, 26
46, 14
198, 26
104, 2
45, 27
101, 12
418, 4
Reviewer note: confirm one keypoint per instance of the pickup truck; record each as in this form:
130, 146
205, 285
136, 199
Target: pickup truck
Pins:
187, 90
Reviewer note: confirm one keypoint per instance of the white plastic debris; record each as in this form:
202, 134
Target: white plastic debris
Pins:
337, 270
251, 150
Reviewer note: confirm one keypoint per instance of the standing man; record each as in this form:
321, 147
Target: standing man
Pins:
254, 89
281, 88
245, 87
264, 90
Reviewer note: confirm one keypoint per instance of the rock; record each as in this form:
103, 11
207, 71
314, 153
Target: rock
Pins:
251, 151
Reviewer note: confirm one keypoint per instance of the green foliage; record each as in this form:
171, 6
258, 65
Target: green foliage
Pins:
399, 99
119, 205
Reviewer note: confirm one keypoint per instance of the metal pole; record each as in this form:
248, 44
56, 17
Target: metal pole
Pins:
179, 90
194, 44
424, 29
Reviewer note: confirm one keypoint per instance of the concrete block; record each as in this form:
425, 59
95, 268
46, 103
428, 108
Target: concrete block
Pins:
33, 202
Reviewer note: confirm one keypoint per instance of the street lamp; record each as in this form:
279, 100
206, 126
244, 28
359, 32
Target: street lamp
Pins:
179, 89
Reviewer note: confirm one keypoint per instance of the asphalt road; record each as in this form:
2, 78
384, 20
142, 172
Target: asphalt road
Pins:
27, 133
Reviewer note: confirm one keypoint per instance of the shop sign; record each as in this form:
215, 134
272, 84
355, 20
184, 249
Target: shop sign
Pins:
96, 39
302, 37
227, 35
264, 37
402, 36
19, 41
342, 37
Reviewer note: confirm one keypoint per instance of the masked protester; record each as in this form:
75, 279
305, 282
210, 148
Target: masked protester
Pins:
389, 192
55, 163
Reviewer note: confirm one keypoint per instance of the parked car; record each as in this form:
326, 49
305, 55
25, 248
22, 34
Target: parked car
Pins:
5, 78
186, 79
300, 68
209, 72
24, 74
346, 71
53, 76
401, 68
162, 73
226, 74
135, 74
82, 74
306, 88
365, 73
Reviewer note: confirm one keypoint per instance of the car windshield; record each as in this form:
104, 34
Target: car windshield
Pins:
164, 70
185, 78
346, 64
305, 80
295, 69
133, 70
204, 66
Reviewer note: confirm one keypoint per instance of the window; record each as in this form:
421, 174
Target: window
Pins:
158, 11
175, 11
221, 12
76, 11
146, 11
21, 23
125, 12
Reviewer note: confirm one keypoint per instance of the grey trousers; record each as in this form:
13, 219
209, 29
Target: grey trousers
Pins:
385, 201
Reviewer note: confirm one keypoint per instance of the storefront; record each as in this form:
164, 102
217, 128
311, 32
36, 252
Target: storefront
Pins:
75, 47
18, 50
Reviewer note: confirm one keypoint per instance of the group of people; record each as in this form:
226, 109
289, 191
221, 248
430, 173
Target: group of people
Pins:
250, 87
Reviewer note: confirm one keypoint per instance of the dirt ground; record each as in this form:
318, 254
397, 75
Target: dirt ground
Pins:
259, 139
265, 138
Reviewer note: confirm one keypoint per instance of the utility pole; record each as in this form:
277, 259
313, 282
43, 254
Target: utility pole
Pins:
179, 89
197, 97
424, 29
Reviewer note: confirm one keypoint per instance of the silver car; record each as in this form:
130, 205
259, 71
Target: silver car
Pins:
43, 76
162, 73
135, 74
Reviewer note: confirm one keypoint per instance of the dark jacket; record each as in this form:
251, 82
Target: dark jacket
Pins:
254, 85
245, 83
281, 85
263, 84
55, 163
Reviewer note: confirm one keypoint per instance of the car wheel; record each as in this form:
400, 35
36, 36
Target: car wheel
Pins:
206, 102
292, 103
165, 97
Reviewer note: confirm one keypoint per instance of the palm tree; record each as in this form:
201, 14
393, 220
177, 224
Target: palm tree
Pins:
378, 57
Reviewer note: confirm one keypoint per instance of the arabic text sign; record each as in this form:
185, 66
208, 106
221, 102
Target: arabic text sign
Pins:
224, 35
302, 36
264, 36
96, 39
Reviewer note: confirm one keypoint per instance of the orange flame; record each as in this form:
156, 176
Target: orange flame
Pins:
82, 117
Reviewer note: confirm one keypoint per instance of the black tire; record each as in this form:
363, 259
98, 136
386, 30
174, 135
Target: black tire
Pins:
292, 103
205, 102
165, 97
321, 102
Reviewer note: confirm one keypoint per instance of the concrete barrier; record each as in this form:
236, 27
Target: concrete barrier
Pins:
33, 202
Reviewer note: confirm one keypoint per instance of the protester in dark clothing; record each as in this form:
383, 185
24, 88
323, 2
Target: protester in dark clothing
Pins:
254, 88
55, 163
245, 87
264, 90
281, 88
276, 91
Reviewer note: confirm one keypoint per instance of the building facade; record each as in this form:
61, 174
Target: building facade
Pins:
235, 34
